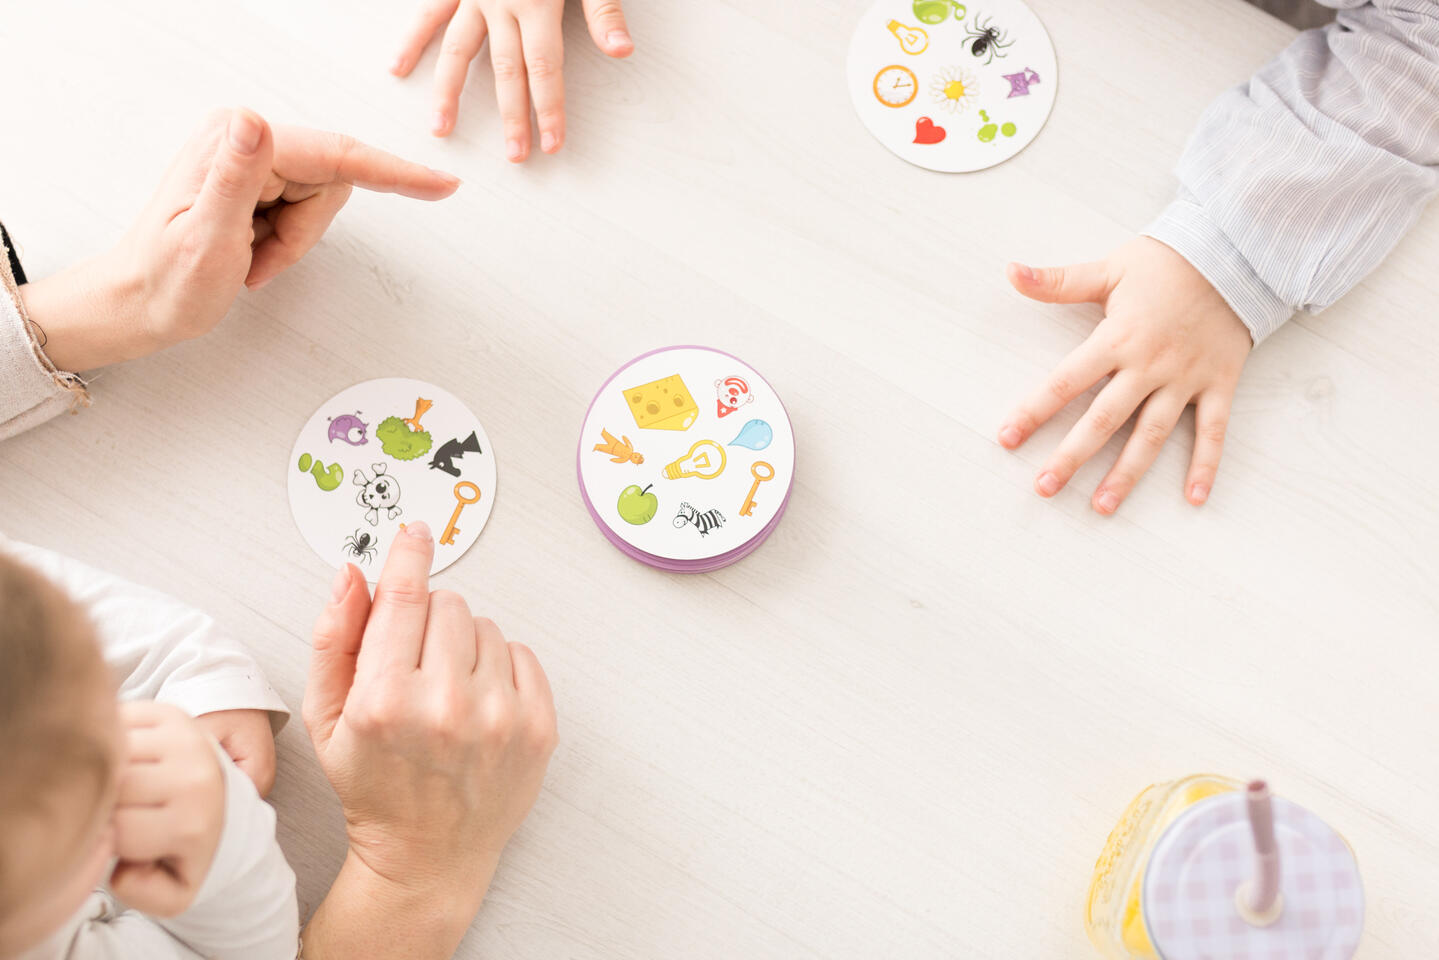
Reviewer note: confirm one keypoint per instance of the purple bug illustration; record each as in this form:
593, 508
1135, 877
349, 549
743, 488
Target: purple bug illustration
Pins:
343, 426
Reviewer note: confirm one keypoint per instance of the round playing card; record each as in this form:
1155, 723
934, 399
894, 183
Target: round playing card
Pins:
686, 459
950, 86
384, 453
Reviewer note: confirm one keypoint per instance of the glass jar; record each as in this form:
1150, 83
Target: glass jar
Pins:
1113, 916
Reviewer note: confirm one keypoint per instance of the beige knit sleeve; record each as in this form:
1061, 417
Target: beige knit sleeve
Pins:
31, 389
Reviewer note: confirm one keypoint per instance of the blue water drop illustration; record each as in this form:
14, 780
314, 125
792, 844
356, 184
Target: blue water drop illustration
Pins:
756, 435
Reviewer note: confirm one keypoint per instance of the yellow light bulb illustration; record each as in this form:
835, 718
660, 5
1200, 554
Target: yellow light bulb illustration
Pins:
705, 460
912, 40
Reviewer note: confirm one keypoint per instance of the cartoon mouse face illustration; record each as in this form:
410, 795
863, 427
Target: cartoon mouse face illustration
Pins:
378, 493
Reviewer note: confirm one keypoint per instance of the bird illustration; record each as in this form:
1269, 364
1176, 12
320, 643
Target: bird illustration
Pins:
620, 451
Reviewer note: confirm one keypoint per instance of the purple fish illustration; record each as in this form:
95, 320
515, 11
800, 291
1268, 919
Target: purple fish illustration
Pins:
343, 426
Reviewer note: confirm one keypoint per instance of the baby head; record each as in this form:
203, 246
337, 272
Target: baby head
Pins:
60, 734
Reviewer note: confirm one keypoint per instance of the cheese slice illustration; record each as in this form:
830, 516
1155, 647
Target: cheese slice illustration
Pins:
663, 405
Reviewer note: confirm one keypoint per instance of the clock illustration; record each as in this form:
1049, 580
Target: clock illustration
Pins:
895, 86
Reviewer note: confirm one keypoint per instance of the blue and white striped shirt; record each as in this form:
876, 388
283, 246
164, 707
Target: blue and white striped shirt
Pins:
1299, 182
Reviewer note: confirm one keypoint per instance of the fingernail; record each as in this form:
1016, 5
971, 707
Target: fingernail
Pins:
341, 586
244, 132
440, 123
512, 149
1107, 502
548, 142
1009, 436
420, 530
1048, 484
449, 178
1025, 273
1199, 493
617, 38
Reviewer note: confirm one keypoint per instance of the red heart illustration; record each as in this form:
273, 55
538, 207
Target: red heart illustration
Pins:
925, 131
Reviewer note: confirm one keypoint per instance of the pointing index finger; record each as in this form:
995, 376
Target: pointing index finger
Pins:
316, 156
395, 632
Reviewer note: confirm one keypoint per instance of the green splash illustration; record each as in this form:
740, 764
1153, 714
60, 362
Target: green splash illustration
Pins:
399, 441
326, 479
987, 132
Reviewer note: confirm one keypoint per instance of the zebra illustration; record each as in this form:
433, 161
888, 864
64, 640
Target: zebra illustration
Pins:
704, 522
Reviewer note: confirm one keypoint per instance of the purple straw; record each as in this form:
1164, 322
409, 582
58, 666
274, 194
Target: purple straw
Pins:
1261, 894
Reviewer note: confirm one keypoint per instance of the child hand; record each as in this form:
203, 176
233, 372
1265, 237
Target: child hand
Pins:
248, 740
1167, 340
239, 205
170, 809
526, 53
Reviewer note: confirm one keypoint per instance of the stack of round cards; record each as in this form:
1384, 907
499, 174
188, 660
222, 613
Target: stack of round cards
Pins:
686, 460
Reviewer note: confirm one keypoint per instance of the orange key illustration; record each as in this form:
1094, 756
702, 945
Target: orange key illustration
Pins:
462, 498
760, 476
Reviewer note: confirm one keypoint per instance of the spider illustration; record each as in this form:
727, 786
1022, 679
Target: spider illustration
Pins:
361, 546
986, 39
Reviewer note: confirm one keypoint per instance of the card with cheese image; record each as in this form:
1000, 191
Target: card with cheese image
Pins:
664, 404
677, 508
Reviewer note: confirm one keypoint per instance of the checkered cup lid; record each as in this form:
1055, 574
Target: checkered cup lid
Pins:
1205, 865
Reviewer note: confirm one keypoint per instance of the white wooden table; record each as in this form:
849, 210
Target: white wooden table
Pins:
905, 726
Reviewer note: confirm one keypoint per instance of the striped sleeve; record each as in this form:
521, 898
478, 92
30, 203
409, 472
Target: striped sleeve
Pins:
1296, 184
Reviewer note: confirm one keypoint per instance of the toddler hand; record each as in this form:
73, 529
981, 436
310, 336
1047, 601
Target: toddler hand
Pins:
248, 740
170, 810
526, 52
240, 204
1167, 340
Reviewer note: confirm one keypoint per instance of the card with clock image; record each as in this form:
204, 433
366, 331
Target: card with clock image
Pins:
384, 453
949, 86
686, 459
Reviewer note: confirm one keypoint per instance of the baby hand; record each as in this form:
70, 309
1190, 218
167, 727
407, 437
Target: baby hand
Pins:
527, 51
1167, 340
248, 740
170, 809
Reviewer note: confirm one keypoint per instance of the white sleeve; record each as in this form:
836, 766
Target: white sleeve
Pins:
159, 648
247, 908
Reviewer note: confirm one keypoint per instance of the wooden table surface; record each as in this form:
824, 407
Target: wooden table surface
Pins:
904, 727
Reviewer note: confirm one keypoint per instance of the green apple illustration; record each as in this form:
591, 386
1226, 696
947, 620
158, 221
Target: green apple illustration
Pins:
637, 506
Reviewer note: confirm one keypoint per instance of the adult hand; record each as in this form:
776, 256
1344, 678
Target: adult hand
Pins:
527, 53
247, 739
1167, 340
435, 734
170, 809
239, 204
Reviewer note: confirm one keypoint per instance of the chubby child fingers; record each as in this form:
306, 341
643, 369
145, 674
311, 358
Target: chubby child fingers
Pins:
1211, 422
1105, 415
544, 65
433, 13
1075, 283
150, 887
512, 91
1155, 423
606, 20
1076, 373
463, 39
145, 832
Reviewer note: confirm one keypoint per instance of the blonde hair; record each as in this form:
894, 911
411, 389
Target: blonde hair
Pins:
50, 670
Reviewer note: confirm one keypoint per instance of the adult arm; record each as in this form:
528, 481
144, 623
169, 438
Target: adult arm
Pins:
1296, 184
435, 733
32, 389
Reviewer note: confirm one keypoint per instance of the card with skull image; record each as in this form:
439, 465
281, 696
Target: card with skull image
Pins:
385, 453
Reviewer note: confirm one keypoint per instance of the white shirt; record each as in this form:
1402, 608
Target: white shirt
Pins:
1299, 181
159, 649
